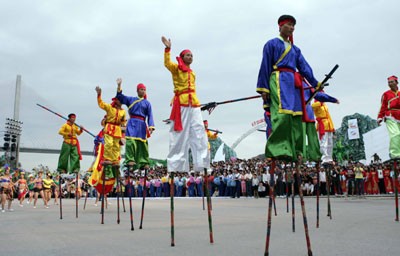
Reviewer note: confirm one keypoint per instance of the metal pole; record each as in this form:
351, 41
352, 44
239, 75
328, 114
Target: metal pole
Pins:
16, 116
17, 98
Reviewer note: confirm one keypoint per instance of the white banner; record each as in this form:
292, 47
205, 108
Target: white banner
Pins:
353, 131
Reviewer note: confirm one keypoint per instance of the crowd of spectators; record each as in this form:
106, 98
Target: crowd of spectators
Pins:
236, 178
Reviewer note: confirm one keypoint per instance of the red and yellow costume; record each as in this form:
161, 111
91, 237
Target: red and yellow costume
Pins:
70, 150
188, 130
325, 130
115, 117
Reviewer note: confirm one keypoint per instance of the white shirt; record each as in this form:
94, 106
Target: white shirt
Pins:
380, 174
322, 176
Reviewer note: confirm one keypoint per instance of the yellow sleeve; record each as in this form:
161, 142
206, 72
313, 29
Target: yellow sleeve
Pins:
123, 119
102, 104
316, 104
78, 130
63, 130
173, 67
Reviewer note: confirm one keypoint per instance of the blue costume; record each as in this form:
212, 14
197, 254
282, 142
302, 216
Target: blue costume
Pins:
280, 75
136, 135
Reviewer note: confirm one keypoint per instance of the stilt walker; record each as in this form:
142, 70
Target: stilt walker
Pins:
102, 178
390, 114
139, 128
114, 119
187, 129
321, 144
280, 86
70, 156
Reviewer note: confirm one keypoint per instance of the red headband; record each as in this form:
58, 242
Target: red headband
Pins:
184, 52
390, 78
283, 22
142, 86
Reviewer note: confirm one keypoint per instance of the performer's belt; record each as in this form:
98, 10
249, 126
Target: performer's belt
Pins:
184, 92
176, 110
113, 123
283, 69
137, 117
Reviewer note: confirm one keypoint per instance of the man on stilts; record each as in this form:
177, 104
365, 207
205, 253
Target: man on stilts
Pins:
70, 154
390, 114
115, 118
279, 83
140, 127
187, 129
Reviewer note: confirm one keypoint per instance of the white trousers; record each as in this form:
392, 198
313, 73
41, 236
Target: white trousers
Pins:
326, 147
193, 137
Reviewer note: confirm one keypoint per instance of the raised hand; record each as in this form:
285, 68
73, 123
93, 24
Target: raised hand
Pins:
119, 82
166, 42
98, 90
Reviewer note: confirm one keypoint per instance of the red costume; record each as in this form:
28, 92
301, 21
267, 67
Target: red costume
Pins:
388, 181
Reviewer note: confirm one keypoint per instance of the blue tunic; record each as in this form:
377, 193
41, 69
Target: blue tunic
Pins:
139, 110
271, 72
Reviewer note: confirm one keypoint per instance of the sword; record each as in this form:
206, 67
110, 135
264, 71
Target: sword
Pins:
327, 77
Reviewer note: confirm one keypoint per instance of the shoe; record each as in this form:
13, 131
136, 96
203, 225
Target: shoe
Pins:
3, 211
27, 202
47, 207
21, 205
34, 207
10, 210
95, 204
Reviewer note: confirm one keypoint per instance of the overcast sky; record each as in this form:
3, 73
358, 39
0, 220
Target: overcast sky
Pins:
64, 49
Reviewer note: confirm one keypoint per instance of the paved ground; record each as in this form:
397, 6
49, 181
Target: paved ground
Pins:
359, 227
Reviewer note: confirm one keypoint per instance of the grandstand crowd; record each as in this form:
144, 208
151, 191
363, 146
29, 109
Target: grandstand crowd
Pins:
236, 178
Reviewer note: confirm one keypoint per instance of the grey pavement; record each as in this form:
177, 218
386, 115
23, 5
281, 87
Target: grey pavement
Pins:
359, 226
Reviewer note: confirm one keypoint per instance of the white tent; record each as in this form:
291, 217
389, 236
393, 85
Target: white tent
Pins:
219, 155
377, 141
